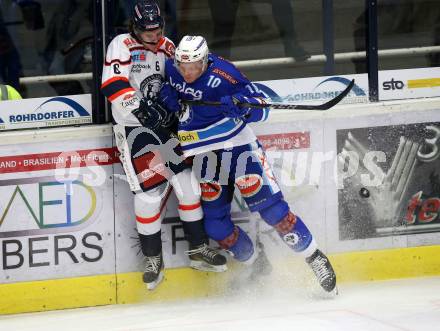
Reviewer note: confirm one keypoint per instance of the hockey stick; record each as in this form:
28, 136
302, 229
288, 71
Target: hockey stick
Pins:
329, 104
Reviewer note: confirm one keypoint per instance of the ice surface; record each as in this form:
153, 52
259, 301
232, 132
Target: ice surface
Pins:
410, 304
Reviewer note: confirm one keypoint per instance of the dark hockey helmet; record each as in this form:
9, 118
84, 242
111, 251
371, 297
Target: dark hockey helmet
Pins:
146, 15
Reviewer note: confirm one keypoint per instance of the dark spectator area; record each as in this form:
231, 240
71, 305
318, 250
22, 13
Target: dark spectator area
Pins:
48, 38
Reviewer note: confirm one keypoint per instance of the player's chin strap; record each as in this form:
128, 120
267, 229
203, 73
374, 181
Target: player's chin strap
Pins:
329, 104
136, 32
149, 42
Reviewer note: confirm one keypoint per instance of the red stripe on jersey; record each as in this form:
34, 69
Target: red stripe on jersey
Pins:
117, 94
161, 41
190, 207
114, 79
148, 220
124, 63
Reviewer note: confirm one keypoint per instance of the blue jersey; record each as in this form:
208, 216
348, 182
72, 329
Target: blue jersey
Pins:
205, 128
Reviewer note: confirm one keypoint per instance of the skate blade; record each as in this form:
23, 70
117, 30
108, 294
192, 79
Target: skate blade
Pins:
203, 266
332, 294
151, 286
335, 291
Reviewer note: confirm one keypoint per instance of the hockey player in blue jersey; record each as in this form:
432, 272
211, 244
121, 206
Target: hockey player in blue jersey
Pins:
227, 154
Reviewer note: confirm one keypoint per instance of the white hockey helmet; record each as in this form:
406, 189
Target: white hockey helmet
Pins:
192, 49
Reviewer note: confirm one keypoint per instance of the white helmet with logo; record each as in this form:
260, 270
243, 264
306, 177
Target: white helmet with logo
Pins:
192, 49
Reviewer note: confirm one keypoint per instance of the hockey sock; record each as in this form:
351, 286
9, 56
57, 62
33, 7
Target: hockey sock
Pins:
195, 233
151, 244
295, 234
238, 244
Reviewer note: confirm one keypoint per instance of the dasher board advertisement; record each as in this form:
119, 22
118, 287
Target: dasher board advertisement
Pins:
46, 112
394, 183
56, 210
409, 83
315, 90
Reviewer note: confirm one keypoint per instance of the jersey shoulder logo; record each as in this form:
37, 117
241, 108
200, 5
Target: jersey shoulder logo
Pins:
225, 75
169, 48
130, 41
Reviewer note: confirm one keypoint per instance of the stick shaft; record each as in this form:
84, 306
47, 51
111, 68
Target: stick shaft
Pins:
329, 104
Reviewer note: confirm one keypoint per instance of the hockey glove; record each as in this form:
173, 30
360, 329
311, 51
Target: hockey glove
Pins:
169, 98
231, 105
151, 114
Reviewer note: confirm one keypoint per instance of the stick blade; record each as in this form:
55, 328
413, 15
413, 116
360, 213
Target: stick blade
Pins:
329, 104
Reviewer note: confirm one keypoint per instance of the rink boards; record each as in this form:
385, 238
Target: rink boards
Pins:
365, 178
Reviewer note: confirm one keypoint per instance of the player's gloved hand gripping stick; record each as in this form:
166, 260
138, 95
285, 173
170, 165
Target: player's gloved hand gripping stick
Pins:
151, 114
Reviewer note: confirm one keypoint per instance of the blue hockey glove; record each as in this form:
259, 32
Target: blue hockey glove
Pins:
169, 98
231, 107
151, 114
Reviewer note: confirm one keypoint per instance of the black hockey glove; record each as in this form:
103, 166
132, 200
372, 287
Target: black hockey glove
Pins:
151, 114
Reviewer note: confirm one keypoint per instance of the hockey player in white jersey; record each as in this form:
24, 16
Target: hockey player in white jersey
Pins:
145, 135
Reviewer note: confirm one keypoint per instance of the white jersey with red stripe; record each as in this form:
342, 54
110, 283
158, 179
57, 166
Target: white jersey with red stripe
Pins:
132, 72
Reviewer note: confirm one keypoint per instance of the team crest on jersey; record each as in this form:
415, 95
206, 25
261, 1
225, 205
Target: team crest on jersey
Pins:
249, 185
151, 85
210, 191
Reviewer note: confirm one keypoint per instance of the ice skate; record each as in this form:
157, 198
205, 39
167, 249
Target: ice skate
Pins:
205, 258
253, 271
153, 274
323, 270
